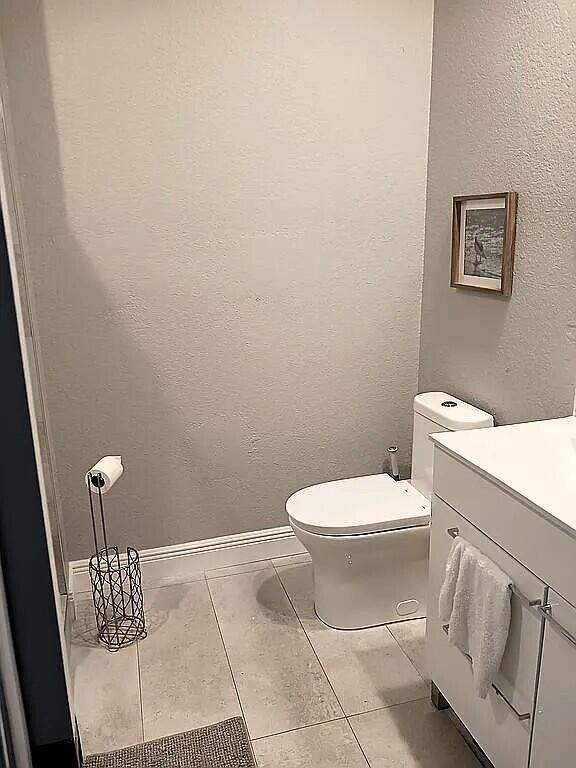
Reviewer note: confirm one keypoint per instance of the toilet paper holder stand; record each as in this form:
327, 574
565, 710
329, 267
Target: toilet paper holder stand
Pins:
116, 581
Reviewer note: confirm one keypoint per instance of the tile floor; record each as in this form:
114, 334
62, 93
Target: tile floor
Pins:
246, 640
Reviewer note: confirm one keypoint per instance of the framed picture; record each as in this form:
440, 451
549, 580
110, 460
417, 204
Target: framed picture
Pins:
483, 237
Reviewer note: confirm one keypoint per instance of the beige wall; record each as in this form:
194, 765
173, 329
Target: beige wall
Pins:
225, 204
503, 116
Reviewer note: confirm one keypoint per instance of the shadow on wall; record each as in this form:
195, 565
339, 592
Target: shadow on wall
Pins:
114, 394
104, 395
241, 324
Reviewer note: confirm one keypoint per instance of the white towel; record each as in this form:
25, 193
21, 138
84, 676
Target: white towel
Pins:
475, 602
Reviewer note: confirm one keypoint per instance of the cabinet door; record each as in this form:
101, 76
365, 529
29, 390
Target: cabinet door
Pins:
555, 717
501, 723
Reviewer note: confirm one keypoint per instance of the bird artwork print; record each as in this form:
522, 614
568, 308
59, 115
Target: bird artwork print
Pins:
478, 250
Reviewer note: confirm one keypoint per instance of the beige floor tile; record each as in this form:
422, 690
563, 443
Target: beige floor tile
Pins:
185, 677
280, 682
411, 635
411, 735
366, 667
231, 570
330, 745
106, 690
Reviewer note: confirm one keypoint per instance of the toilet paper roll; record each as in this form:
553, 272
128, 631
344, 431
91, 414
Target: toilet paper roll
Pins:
110, 469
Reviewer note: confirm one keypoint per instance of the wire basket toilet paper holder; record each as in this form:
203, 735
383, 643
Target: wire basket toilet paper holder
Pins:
116, 581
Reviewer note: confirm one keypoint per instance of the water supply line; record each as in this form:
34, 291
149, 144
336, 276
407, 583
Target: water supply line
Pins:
393, 453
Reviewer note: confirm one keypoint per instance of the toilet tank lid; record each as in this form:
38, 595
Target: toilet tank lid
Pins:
451, 413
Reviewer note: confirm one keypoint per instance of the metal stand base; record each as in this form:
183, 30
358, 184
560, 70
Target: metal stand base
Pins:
116, 584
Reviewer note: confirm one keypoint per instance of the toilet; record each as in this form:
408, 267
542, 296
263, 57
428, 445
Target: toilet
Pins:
368, 536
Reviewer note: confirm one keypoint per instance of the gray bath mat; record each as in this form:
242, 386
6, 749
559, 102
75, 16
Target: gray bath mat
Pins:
223, 745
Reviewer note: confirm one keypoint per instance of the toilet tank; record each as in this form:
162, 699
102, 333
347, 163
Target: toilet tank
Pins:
439, 412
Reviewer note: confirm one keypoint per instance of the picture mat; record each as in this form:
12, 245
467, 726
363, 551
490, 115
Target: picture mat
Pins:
476, 281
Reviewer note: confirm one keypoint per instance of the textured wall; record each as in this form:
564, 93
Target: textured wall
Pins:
503, 116
225, 204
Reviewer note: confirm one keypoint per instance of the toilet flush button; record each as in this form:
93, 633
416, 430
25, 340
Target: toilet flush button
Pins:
348, 559
406, 607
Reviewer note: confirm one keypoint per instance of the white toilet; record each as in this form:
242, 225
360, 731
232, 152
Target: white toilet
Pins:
368, 536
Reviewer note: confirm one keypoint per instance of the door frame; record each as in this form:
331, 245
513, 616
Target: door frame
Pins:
41, 719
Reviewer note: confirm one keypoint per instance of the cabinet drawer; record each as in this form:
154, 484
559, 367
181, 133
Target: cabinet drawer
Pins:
501, 723
520, 530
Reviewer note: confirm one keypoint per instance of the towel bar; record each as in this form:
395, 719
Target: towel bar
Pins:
546, 611
453, 532
519, 715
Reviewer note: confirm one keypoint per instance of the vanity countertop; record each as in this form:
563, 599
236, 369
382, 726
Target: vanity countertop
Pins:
536, 462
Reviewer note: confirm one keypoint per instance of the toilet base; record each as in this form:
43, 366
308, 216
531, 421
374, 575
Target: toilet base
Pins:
369, 579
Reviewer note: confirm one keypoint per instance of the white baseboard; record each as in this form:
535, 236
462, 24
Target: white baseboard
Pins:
183, 562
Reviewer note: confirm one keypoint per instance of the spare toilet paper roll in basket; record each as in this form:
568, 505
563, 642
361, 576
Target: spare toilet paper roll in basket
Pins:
109, 468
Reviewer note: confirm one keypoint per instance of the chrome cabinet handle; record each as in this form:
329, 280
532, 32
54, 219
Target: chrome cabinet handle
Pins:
521, 716
518, 715
546, 611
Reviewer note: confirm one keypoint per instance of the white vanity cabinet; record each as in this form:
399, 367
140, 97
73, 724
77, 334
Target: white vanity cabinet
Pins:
555, 716
501, 723
488, 488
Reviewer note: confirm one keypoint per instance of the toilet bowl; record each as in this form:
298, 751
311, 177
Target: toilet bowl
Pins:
368, 536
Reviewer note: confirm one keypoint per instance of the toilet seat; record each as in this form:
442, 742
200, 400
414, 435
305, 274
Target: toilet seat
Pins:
370, 504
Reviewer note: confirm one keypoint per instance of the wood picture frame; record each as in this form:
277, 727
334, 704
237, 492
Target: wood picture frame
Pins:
483, 240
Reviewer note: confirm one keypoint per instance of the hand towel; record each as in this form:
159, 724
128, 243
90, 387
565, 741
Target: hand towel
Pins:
475, 602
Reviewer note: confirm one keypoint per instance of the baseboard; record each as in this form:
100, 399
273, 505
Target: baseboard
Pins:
182, 562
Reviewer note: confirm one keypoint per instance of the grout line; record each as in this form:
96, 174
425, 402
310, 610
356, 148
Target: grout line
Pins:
140, 688
207, 582
399, 644
269, 564
304, 558
83, 597
183, 582
300, 728
288, 730
387, 706
323, 670
238, 573
309, 641
201, 575
357, 740
346, 717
